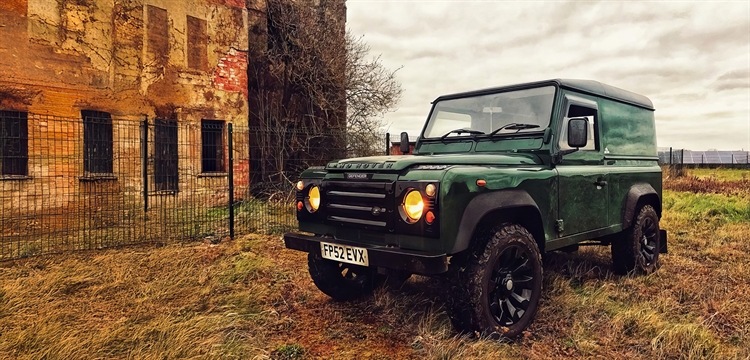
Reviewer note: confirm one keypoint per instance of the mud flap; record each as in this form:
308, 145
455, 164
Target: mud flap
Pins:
663, 241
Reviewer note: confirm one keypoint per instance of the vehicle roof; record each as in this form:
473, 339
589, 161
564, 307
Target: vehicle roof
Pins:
586, 86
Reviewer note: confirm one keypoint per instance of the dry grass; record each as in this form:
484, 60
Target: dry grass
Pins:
251, 298
721, 174
710, 185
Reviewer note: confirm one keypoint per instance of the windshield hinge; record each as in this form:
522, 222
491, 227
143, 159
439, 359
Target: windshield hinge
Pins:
559, 225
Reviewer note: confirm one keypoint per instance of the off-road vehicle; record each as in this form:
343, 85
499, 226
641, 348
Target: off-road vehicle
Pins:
497, 178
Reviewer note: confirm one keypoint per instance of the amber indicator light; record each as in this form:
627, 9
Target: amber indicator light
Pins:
299, 205
481, 182
429, 217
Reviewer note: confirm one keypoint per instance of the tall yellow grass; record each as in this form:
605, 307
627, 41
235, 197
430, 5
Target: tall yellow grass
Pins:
251, 298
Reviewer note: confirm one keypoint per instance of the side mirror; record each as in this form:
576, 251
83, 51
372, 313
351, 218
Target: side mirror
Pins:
405, 143
578, 132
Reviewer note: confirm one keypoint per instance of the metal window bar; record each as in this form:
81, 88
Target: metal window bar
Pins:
14, 138
97, 140
166, 175
60, 206
212, 146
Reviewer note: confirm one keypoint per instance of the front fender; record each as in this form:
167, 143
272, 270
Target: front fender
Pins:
487, 203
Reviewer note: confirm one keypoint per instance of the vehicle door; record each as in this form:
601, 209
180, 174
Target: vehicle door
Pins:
582, 175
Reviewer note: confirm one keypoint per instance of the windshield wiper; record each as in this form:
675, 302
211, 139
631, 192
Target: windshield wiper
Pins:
513, 126
462, 131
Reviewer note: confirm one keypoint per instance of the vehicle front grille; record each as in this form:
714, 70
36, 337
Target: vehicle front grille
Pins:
364, 205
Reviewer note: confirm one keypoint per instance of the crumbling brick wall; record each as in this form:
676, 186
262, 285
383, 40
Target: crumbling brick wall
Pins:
135, 59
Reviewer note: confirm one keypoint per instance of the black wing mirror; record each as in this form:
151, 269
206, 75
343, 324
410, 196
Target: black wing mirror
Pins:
405, 148
578, 132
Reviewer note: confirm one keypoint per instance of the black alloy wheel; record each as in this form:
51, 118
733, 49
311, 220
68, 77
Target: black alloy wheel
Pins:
637, 248
510, 287
649, 242
496, 291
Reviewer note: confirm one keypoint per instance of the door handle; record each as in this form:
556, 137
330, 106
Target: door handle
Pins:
600, 183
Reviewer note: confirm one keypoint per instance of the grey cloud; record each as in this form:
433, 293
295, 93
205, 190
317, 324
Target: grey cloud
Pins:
733, 80
691, 59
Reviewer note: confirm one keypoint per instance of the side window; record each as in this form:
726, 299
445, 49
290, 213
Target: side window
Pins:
577, 111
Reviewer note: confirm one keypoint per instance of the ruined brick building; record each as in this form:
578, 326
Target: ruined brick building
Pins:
80, 78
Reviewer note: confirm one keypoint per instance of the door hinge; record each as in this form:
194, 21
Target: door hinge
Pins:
559, 225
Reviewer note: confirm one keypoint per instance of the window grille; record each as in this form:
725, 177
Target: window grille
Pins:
14, 142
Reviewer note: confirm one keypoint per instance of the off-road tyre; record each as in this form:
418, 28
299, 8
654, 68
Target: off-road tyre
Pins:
342, 281
637, 249
506, 251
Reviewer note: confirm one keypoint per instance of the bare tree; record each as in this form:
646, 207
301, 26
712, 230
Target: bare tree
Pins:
315, 93
371, 91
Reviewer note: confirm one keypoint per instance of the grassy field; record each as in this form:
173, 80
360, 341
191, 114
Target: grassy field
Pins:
251, 298
721, 174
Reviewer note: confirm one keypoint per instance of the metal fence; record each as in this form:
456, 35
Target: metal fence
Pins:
100, 181
711, 158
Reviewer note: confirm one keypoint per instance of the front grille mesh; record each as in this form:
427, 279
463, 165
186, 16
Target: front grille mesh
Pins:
364, 205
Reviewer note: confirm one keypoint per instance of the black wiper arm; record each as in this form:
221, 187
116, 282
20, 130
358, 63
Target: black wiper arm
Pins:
514, 126
462, 131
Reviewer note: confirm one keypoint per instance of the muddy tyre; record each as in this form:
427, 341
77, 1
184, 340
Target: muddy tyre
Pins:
342, 281
497, 292
637, 250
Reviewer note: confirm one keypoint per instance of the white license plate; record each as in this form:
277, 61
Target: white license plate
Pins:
343, 253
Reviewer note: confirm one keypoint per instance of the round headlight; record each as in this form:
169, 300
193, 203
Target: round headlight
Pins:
413, 206
313, 198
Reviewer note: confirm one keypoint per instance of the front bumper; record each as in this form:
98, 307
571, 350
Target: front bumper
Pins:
415, 262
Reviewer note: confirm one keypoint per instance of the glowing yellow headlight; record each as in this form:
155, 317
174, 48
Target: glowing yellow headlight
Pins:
413, 206
313, 197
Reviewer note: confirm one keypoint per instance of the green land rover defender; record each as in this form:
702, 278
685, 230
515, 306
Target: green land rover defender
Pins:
497, 178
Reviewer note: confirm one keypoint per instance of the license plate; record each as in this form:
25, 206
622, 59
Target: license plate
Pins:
343, 253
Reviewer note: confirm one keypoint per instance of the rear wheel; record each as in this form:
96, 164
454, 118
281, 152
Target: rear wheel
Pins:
498, 291
342, 281
637, 250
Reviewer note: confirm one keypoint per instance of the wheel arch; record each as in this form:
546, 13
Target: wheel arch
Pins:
513, 205
638, 196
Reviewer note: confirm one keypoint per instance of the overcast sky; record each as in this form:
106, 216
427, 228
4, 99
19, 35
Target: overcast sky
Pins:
692, 59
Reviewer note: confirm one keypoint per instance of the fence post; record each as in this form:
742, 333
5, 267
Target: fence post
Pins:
231, 182
670, 155
144, 162
387, 143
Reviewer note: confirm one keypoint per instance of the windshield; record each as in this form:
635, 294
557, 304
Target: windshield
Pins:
488, 113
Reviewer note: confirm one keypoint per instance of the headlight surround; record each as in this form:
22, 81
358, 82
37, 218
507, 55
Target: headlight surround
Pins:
313, 199
413, 206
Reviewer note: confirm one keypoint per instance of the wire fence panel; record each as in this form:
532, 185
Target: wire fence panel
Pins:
711, 158
101, 181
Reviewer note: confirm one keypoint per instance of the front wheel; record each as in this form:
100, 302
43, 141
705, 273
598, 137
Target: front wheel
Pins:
637, 250
341, 281
498, 291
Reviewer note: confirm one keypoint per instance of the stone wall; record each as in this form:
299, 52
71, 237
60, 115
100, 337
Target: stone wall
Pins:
134, 59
